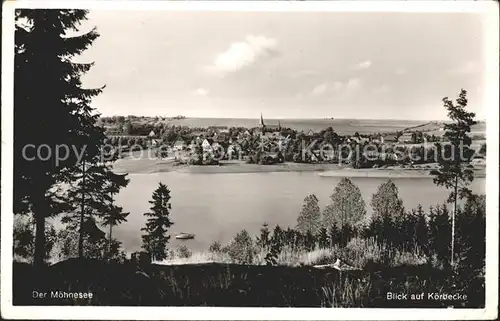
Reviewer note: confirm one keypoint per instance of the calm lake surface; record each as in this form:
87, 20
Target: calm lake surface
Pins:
217, 206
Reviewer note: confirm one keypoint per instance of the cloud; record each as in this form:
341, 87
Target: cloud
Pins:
245, 53
363, 65
353, 83
320, 89
201, 92
348, 86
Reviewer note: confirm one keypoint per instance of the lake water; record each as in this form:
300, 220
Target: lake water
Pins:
217, 206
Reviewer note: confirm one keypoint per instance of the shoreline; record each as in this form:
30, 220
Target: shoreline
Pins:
143, 166
378, 173
240, 168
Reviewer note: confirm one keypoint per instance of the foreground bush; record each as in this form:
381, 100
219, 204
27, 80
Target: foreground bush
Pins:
241, 249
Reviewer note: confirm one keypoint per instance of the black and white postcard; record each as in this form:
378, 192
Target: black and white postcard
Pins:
222, 160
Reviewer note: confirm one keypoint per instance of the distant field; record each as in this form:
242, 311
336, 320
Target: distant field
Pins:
434, 128
344, 126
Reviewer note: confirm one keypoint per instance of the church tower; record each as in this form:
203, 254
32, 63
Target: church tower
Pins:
261, 124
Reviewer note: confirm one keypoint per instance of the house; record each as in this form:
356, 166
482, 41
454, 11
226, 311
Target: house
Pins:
269, 135
155, 142
179, 144
352, 139
310, 133
283, 143
192, 144
216, 146
197, 135
389, 139
233, 150
112, 131
478, 160
406, 138
152, 134
221, 137
207, 144
245, 134
268, 127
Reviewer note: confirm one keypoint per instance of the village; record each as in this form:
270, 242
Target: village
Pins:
268, 144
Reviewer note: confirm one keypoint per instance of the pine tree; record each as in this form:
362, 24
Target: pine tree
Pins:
453, 172
309, 241
439, 233
422, 230
157, 224
386, 200
347, 205
408, 231
113, 217
91, 195
346, 234
309, 219
49, 101
388, 229
471, 247
114, 214
333, 235
323, 238
263, 240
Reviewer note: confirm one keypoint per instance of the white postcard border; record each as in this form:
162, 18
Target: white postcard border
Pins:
488, 8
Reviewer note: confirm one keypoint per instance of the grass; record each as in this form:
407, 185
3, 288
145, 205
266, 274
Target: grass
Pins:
287, 257
345, 293
358, 253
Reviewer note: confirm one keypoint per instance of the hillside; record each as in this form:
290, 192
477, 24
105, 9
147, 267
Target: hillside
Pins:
435, 128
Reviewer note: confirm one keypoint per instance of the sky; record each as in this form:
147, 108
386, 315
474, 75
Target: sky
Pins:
285, 65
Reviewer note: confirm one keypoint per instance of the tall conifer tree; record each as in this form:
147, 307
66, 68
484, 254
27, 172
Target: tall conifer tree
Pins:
155, 240
51, 108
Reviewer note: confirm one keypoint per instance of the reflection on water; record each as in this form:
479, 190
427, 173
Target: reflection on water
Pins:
217, 206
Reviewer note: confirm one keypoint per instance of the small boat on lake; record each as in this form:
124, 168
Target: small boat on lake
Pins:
184, 236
